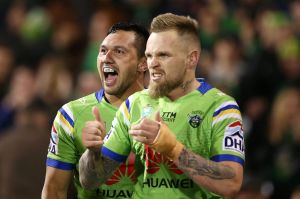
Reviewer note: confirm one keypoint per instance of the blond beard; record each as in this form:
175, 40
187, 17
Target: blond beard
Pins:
157, 90
164, 87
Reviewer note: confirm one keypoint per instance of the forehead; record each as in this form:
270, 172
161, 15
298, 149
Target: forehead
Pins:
161, 41
119, 38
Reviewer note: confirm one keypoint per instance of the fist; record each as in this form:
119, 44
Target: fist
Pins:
146, 130
93, 132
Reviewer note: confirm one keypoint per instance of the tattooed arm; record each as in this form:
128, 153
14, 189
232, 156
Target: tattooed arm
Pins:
223, 178
95, 169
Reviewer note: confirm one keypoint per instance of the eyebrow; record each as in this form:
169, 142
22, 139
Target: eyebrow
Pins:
158, 52
104, 46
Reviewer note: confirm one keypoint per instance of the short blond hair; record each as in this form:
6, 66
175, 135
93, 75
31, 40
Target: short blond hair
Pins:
183, 25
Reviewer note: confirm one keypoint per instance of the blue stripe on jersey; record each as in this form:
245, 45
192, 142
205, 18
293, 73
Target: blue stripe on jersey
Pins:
117, 157
99, 95
59, 165
231, 106
204, 86
227, 157
66, 116
127, 105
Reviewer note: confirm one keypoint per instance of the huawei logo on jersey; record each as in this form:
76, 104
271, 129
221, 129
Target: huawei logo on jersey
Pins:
154, 160
125, 170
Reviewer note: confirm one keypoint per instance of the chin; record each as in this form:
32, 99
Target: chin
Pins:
113, 90
109, 89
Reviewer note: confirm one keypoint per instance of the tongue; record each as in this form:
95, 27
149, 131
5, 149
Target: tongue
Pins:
111, 79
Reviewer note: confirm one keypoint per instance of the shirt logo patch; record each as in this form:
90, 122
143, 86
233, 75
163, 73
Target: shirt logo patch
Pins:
53, 141
126, 170
147, 111
194, 120
168, 116
234, 138
154, 160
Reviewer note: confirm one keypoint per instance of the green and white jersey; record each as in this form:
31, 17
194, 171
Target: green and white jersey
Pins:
207, 121
66, 148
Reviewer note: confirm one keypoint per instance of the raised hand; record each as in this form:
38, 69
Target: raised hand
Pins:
146, 130
93, 132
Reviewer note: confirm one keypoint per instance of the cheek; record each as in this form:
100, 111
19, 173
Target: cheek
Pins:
98, 63
128, 67
100, 73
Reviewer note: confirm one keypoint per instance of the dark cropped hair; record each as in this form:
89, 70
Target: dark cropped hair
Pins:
141, 34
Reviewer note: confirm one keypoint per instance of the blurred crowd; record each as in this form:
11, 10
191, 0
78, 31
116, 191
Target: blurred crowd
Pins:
250, 50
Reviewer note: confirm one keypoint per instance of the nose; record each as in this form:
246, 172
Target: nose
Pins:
107, 57
152, 62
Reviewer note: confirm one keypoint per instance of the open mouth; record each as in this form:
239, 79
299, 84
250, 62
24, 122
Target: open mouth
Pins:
110, 75
109, 72
156, 75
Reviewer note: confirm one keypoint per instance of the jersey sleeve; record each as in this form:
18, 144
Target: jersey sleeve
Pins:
227, 133
117, 143
62, 151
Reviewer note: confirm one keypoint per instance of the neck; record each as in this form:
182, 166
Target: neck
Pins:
117, 100
186, 87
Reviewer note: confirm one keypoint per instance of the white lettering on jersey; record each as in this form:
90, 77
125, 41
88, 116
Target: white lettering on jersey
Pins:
233, 138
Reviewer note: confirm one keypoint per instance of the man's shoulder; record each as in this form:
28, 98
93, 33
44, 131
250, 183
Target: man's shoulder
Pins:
73, 110
139, 95
82, 102
218, 95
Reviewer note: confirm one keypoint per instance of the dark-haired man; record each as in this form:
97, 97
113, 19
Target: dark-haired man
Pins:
121, 65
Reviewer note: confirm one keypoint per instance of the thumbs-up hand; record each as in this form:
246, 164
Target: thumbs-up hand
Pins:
93, 132
146, 130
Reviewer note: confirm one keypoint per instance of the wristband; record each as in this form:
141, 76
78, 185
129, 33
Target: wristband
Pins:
166, 143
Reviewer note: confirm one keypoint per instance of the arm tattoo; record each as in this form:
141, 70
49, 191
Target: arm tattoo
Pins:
95, 169
195, 165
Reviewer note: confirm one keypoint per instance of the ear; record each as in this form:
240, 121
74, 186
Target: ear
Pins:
193, 59
142, 66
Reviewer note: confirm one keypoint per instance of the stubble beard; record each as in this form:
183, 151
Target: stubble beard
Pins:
120, 88
164, 87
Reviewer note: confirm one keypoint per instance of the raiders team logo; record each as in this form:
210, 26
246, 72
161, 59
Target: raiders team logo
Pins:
147, 111
194, 120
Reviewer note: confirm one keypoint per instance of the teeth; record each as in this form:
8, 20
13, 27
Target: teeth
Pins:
108, 70
156, 75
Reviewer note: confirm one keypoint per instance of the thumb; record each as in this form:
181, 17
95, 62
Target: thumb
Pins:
96, 114
157, 117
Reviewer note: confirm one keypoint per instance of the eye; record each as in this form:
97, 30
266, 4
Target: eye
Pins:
119, 51
102, 51
148, 55
163, 55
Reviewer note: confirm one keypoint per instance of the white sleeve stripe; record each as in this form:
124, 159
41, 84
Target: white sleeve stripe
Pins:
225, 104
67, 128
68, 111
226, 116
